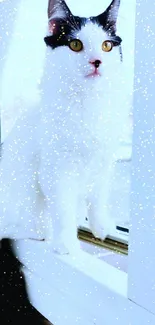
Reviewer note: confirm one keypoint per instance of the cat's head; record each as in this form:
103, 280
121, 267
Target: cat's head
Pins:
84, 48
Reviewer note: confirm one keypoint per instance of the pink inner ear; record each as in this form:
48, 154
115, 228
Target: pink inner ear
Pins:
51, 26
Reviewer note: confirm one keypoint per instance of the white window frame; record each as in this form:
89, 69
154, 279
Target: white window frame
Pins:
85, 290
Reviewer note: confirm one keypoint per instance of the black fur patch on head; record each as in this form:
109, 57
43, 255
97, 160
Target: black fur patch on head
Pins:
108, 27
64, 28
64, 31
101, 21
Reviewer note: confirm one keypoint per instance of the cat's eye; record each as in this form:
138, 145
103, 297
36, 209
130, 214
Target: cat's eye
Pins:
76, 45
107, 46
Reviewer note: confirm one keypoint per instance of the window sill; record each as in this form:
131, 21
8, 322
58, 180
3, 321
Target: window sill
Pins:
81, 290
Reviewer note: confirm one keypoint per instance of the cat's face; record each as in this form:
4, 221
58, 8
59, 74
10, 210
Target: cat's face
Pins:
83, 48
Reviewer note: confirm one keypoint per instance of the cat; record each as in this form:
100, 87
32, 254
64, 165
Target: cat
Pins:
59, 159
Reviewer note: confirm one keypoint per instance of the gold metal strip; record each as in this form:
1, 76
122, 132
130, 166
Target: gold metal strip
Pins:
108, 243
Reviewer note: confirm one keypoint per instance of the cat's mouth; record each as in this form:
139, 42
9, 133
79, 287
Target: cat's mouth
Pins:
93, 74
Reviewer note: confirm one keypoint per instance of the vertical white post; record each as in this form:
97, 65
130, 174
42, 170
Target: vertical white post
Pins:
142, 233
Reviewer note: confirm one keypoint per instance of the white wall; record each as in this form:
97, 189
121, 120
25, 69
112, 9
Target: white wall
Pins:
142, 232
24, 57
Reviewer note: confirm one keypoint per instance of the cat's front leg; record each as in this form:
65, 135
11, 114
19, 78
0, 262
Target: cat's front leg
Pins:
101, 223
61, 194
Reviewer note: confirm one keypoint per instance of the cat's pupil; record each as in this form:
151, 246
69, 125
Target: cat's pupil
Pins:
107, 44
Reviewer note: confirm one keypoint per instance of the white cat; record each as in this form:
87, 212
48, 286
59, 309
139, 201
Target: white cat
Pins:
62, 153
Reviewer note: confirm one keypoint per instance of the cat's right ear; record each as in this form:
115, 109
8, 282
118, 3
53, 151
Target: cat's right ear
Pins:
57, 9
109, 17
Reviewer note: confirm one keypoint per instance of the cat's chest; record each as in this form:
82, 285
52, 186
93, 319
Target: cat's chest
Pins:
79, 119
78, 158
82, 125
69, 141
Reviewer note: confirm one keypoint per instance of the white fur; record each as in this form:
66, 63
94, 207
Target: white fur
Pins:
63, 153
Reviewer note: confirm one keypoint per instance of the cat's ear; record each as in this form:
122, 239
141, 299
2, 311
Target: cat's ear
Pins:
57, 9
109, 16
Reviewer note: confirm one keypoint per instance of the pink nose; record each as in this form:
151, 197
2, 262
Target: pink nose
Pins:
96, 63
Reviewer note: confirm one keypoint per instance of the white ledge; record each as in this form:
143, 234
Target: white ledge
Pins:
82, 290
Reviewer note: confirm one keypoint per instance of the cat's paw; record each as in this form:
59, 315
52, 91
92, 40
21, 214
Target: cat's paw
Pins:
60, 248
103, 230
64, 248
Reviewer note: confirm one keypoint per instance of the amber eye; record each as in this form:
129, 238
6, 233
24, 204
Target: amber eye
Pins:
76, 45
107, 46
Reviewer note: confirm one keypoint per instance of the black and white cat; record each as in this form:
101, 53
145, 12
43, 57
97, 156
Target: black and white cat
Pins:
59, 159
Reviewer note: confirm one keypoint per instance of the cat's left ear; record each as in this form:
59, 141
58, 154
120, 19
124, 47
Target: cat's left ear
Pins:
109, 17
58, 9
